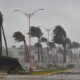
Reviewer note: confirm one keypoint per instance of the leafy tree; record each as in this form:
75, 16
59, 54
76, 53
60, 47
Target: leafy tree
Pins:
19, 37
60, 38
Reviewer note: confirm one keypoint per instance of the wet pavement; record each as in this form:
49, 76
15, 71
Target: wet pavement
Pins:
68, 75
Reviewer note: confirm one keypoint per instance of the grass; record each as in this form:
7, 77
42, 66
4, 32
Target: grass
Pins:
2, 72
46, 71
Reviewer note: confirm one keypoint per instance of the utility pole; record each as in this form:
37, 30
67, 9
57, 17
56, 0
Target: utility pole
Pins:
48, 30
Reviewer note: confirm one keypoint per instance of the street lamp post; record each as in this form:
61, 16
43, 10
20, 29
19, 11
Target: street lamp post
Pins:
48, 30
29, 15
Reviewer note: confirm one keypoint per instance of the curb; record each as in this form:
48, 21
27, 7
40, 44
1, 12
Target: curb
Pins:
58, 72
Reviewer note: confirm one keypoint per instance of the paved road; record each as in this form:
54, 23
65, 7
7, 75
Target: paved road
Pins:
69, 75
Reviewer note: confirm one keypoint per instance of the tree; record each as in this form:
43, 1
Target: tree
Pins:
69, 51
38, 45
60, 38
19, 37
43, 39
5, 40
68, 42
13, 46
36, 32
75, 46
51, 44
1, 21
2, 30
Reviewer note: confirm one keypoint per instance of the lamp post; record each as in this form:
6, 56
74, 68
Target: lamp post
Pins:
48, 30
29, 15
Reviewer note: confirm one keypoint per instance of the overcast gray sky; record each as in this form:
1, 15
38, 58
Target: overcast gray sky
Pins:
57, 12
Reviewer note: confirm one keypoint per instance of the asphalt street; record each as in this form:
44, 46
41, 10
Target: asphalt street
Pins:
68, 75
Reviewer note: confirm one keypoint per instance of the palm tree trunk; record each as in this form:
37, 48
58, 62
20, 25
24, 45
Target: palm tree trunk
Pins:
64, 53
60, 54
39, 50
79, 55
75, 55
27, 53
26, 56
71, 58
38, 55
0, 41
41, 55
5, 40
54, 55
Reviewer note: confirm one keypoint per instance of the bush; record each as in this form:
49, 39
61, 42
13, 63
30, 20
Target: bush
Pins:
70, 65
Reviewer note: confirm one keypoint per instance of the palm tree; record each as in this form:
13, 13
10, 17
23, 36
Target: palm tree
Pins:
38, 45
1, 21
5, 40
2, 30
75, 46
19, 37
43, 39
60, 38
51, 44
36, 32
69, 51
68, 42
41, 54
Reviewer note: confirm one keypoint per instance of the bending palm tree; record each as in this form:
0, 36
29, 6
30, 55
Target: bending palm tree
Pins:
38, 45
75, 46
36, 32
60, 38
43, 39
2, 30
19, 37
5, 40
1, 20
